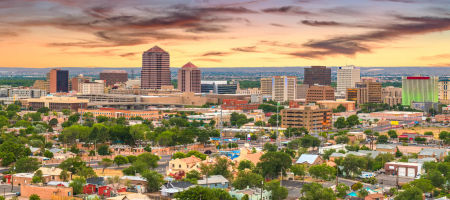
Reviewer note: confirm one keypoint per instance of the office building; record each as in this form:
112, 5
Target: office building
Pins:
26, 93
319, 93
127, 114
189, 78
444, 91
155, 71
59, 80
349, 105
236, 104
320, 75
42, 85
419, 89
284, 88
112, 77
347, 77
312, 118
391, 95
266, 86
76, 82
56, 103
302, 90
96, 87
367, 91
218, 87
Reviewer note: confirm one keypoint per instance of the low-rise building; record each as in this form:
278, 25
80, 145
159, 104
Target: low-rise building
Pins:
95, 87
309, 159
215, 181
53, 172
318, 93
184, 165
55, 103
386, 148
235, 104
336, 147
310, 117
403, 169
169, 189
252, 193
46, 192
116, 113
349, 105
438, 154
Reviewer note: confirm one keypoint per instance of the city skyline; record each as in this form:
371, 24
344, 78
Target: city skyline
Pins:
248, 33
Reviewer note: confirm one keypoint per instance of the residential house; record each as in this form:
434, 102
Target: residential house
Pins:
215, 181
310, 159
376, 196
183, 165
421, 160
169, 189
26, 178
253, 194
388, 148
53, 172
336, 147
438, 154
139, 183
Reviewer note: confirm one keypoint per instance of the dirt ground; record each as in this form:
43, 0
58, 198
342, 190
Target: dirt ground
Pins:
422, 130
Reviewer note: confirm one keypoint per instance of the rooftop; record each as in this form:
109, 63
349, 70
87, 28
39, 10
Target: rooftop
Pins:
308, 158
189, 65
213, 179
156, 49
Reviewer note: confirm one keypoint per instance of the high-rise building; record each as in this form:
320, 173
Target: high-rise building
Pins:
112, 77
313, 118
96, 87
266, 86
317, 75
391, 95
189, 78
284, 88
155, 71
59, 80
419, 89
366, 91
347, 77
319, 93
444, 91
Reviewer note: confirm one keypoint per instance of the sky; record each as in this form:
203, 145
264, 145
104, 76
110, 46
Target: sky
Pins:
225, 33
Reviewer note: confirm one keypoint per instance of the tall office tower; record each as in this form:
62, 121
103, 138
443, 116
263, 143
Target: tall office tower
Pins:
369, 91
59, 80
284, 88
112, 77
444, 91
266, 86
317, 75
419, 89
155, 71
319, 93
347, 77
189, 78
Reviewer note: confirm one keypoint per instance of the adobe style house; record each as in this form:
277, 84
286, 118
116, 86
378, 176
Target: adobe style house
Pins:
183, 165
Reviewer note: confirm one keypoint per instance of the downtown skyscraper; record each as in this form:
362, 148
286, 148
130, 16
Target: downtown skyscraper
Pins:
58, 80
347, 77
189, 78
155, 71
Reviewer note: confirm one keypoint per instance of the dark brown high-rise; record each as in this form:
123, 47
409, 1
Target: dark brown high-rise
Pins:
317, 75
59, 80
112, 77
189, 78
155, 68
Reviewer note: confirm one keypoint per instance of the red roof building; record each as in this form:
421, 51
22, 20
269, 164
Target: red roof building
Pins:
235, 104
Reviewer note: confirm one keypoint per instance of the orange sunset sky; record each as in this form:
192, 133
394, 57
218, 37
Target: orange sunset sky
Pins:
225, 33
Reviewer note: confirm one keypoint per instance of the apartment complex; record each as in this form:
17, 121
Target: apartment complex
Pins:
319, 92
115, 113
189, 78
56, 103
58, 80
95, 87
419, 89
312, 118
444, 91
155, 71
347, 77
112, 77
284, 88
320, 75
391, 95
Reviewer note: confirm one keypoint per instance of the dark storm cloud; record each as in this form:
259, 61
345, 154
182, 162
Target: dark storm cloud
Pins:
320, 23
287, 10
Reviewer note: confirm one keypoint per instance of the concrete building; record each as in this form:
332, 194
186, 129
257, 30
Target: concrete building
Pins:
46, 192
249, 91
403, 169
284, 88
42, 85
318, 93
112, 77
444, 91
391, 95
317, 75
347, 77
59, 80
155, 71
419, 89
235, 104
96, 87
310, 117
26, 93
56, 103
266, 86
76, 82
349, 105
218, 87
116, 113
309, 159
302, 90
252, 193
365, 92
189, 78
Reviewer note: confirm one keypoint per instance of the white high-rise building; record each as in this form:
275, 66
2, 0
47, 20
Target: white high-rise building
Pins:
284, 88
347, 77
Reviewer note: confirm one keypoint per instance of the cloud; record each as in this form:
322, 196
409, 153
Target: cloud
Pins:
216, 53
280, 44
399, 1
363, 43
345, 11
131, 54
434, 57
320, 23
7, 33
287, 10
208, 60
246, 49
277, 25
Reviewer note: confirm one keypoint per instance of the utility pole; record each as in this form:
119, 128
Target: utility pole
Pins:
278, 135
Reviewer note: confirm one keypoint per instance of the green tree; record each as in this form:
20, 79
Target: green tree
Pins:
53, 122
246, 179
340, 123
309, 141
363, 193
64, 175
154, 180
298, 170
382, 139
315, 191
130, 159
322, 171
101, 119
398, 153
34, 197
199, 192
27, 164
72, 165
37, 177
341, 190
192, 176
272, 163
221, 167
77, 185
436, 178
245, 164
103, 150
138, 132
278, 192
120, 160
409, 194
352, 120
343, 139
273, 120
357, 186
423, 184
48, 154
270, 147
105, 163
392, 134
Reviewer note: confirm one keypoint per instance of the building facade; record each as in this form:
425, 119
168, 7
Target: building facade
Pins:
419, 89
349, 105
302, 90
310, 117
320, 75
391, 95
266, 86
189, 78
218, 87
59, 80
319, 93
115, 113
347, 77
284, 88
236, 104
444, 91
366, 91
76, 82
96, 87
112, 77
26, 93
56, 103
155, 71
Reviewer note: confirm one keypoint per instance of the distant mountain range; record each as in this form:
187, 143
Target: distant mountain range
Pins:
236, 72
